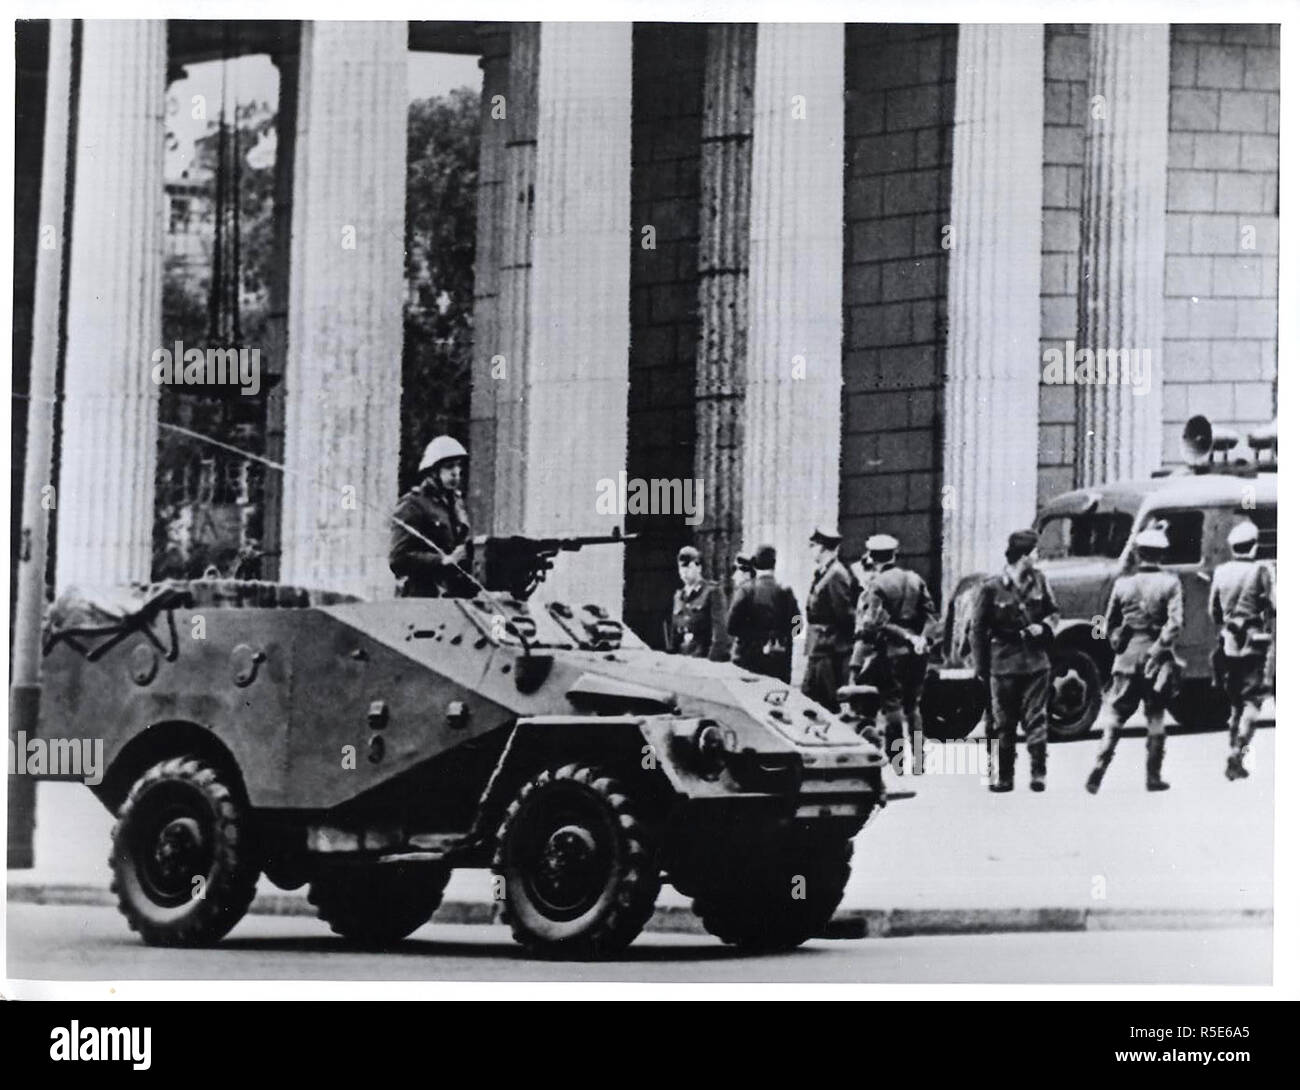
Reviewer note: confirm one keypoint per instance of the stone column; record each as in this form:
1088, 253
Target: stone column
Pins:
509, 384
32, 558
109, 438
792, 374
343, 373
726, 148
494, 122
277, 318
991, 397
578, 334
1122, 256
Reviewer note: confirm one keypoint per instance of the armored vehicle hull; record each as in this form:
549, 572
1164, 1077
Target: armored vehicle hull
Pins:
368, 748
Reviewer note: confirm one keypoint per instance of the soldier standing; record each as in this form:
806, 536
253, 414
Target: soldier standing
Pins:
697, 626
761, 620
433, 512
1143, 620
893, 613
1241, 606
1012, 628
831, 601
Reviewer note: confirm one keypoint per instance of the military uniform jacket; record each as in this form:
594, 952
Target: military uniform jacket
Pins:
830, 612
442, 519
762, 614
1242, 592
894, 605
1150, 603
1003, 610
698, 612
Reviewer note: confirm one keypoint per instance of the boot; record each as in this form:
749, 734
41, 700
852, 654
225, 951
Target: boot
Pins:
1236, 770
1006, 767
1110, 739
1155, 758
1038, 766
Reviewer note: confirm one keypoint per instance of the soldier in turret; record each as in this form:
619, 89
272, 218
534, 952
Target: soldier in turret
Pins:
1144, 618
429, 546
1241, 608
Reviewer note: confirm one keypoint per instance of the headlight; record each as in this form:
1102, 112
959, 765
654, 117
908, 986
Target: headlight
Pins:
704, 746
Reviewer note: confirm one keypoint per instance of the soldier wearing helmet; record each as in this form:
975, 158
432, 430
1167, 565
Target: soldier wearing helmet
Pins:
429, 544
1143, 620
894, 610
1241, 607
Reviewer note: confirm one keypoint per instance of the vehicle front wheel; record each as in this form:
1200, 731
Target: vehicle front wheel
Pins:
773, 897
577, 865
379, 904
1074, 701
183, 869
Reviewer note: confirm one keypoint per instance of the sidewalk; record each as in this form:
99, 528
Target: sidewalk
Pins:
954, 858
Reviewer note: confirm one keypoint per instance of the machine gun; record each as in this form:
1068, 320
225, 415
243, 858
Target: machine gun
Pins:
517, 564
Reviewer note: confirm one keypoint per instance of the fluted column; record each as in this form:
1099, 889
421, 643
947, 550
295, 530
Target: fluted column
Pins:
510, 380
1122, 257
110, 420
343, 374
792, 375
726, 148
494, 121
578, 331
991, 395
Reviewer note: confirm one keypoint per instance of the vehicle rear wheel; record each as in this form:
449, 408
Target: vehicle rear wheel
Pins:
1074, 700
770, 898
578, 866
379, 904
184, 871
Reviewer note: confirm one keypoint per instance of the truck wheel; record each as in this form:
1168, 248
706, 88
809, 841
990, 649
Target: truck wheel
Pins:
767, 901
183, 868
1074, 701
380, 904
579, 872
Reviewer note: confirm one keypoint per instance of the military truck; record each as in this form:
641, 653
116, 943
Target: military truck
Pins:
367, 749
1087, 541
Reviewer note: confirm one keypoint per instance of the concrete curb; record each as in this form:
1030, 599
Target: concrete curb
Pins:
849, 923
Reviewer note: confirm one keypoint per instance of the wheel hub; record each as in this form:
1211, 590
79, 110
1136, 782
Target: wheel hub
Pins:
567, 870
177, 849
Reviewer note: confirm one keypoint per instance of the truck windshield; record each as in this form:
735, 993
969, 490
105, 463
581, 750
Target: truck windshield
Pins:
1093, 534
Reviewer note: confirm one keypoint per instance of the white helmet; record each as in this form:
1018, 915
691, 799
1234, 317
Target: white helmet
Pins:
1242, 536
1153, 537
439, 450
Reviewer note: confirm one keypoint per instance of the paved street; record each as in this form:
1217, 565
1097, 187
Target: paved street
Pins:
78, 943
1206, 845
1203, 848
